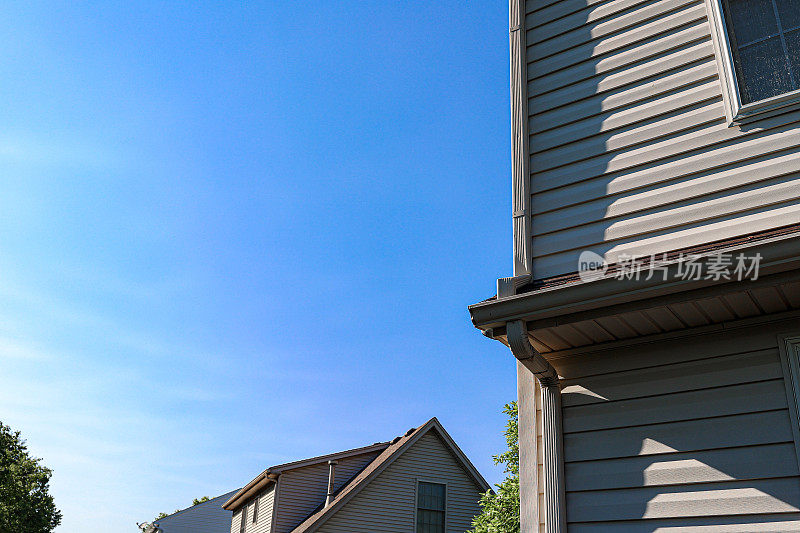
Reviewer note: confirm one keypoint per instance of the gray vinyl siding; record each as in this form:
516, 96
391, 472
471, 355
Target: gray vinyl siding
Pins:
301, 491
388, 503
207, 517
681, 434
630, 151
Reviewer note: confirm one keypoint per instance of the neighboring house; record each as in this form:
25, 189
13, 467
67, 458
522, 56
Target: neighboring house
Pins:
206, 517
656, 160
420, 482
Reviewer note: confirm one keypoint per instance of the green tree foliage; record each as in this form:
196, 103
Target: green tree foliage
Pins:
26, 505
200, 500
500, 509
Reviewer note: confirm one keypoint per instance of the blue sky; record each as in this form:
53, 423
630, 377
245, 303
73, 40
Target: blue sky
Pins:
235, 235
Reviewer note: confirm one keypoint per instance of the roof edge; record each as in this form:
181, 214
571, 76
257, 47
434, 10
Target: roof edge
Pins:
259, 482
215, 498
779, 254
278, 469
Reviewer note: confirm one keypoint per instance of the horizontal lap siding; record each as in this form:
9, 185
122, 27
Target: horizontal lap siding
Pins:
264, 519
630, 150
687, 434
304, 489
236, 521
263, 523
388, 504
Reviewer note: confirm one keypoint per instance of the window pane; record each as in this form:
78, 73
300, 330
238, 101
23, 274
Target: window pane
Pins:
752, 20
243, 523
793, 45
431, 496
763, 71
790, 13
430, 521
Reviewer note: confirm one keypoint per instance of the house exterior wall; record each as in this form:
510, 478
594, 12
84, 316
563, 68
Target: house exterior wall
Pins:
302, 490
266, 501
388, 503
684, 433
630, 150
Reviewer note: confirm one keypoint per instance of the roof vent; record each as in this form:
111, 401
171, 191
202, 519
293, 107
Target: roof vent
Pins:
410, 431
331, 471
394, 440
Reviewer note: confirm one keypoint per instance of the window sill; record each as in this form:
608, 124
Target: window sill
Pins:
766, 108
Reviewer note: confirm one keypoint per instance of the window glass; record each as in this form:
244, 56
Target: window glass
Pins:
789, 11
243, 522
793, 47
430, 521
764, 70
255, 510
765, 41
430, 507
752, 20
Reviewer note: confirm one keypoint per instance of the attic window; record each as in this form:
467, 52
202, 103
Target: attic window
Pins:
243, 521
431, 500
255, 510
759, 46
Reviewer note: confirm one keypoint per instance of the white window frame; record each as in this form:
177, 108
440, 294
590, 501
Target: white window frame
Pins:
419, 480
735, 111
789, 346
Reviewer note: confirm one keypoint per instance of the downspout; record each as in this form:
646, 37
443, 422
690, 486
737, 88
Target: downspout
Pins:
552, 440
516, 331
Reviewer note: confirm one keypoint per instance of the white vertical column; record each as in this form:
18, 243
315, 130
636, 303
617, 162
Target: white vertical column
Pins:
553, 450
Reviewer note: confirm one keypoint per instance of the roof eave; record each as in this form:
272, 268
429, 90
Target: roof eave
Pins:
779, 254
254, 487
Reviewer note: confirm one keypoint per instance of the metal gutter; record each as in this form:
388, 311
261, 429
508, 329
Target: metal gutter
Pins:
254, 487
779, 254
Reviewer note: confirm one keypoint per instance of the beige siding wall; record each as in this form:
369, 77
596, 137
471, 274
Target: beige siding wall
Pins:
302, 490
388, 503
681, 433
266, 499
630, 150
236, 521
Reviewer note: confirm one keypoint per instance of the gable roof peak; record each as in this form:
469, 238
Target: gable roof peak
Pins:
396, 448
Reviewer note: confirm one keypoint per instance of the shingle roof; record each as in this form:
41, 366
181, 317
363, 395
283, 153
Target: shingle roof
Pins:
185, 520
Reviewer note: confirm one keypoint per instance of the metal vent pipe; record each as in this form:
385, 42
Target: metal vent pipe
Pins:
331, 473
